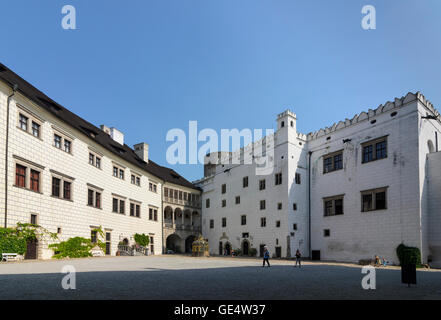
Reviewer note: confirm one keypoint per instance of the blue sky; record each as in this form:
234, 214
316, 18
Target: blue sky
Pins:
147, 66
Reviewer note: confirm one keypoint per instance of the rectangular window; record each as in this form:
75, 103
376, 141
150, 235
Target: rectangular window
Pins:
98, 162
294, 226
20, 176
150, 214
155, 214
91, 159
237, 200
67, 146
326, 233
224, 222
243, 220
333, 206
207, 203
137, 210
263, 222
122, 206
93, 236
374, 150
279, 206
121, 174
278, 178
115, 172
224, 203
294, 206
224, 188
35, 180
98, 200
138, 181
23, 121
132, 209
333, 162
56, 187
67, 190
34, 219
375, 199
262, 184
298, 178
211, 224
35, 129
115, 205
262, 204
278, 224
245, 182
57, 141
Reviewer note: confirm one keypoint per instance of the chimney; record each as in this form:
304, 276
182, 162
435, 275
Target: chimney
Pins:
106, 129
117, 135
142, 151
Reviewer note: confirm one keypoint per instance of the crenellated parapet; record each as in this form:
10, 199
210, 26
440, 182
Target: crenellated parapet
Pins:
365, 115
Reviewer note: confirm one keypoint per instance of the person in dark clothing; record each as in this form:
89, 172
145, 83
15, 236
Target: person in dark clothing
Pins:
298, 257
266, 256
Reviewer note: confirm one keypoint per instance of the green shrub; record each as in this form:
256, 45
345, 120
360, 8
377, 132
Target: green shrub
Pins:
252, 252
408, 255
73, 248
12, 244
142, 239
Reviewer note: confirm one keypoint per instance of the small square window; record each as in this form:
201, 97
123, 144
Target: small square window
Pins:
326, 233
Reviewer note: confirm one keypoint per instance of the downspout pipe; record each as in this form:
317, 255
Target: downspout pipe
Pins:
309, 204
14, 89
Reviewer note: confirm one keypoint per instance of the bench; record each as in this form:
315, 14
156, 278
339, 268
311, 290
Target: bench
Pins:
9, 257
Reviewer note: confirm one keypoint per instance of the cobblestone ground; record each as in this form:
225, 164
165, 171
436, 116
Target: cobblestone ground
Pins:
180, 277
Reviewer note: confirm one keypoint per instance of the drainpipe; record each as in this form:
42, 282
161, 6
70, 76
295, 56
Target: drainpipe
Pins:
14, 89
309, 204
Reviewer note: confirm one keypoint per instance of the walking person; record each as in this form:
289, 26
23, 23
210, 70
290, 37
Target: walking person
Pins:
266, 256
298, 257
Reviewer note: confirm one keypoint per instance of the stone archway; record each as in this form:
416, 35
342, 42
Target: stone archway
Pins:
174, 242
188, 243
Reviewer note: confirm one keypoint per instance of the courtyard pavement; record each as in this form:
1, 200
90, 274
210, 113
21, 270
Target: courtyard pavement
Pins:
174, 277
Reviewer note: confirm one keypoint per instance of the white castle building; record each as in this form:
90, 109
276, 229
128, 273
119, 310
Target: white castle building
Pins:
68, 176
347, 192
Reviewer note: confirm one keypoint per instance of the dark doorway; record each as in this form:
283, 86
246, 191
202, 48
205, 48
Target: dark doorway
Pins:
31, 249
261, 248
245, 247
315, 254
189, 244
108, 248
228, 249
278, 252
221, 248
173, 243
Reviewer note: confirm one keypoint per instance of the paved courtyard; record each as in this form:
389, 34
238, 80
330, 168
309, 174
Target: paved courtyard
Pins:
180, 277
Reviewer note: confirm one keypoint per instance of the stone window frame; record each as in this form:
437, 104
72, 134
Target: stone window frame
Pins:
153, 213
373, 144
326, 233
153, 187
120, 168
136, 208
331, 156
95, 190
119, 198
29, 165
373, 193
96, 156
243, 220
31, 118
211, 223
263, 222
237, 200
64, 137
63, 178
332, 200
37, 218
135, 178
224, 222
245, 181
